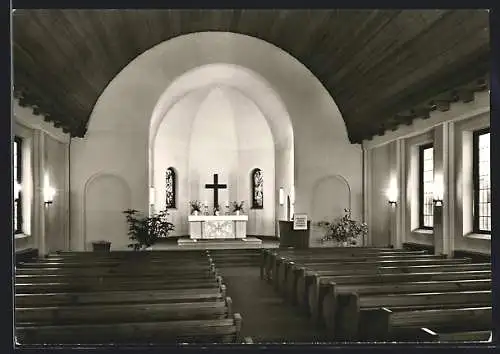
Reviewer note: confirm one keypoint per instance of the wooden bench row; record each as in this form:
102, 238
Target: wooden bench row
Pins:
88, 304
341, 292
225, 330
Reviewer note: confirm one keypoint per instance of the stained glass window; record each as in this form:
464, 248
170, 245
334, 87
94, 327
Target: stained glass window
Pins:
170, 181
426, 186
18, 215
482, 181
257, 189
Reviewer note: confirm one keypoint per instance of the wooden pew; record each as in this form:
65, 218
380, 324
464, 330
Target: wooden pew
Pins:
288, 270
462, 336
343, 316
128, 254
311, 286
269, 255
195, 264
361, 264
269, 264
119, 312
171, 332
124, 296
138, 284
101, 271
384, 324
109, 278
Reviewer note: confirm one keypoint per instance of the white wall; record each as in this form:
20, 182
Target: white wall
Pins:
220, 131
45, 150
119, 127
451, 133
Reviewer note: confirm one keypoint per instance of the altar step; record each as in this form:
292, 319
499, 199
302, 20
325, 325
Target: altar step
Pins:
247, 243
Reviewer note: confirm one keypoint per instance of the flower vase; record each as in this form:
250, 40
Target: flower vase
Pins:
195, 213
237, 212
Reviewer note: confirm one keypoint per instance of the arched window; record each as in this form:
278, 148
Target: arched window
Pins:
257, 189
170, 188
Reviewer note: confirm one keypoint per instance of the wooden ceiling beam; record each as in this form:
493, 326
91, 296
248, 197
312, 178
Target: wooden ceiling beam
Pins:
443, 83
373, 65
411, 58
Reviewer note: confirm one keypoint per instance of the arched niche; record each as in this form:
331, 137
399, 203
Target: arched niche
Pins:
103, 217
331, 195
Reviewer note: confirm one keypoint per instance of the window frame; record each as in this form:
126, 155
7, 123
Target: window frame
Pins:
18, 228
475, 179
421, 149
174, 188
255, 205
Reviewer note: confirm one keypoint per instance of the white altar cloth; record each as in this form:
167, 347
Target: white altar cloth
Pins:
207, 227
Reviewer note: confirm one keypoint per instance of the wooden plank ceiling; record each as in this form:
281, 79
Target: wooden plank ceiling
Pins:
383, 68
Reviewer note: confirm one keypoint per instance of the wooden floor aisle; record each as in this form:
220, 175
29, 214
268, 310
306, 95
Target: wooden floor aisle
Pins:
266, 317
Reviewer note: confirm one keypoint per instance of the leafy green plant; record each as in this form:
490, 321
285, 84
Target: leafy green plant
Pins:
238, 206
195, 206
145, 231
344, 229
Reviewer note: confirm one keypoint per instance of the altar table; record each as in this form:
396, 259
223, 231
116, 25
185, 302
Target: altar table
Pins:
209, 227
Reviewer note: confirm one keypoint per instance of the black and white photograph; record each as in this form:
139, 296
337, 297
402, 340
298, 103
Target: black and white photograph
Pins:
251, 176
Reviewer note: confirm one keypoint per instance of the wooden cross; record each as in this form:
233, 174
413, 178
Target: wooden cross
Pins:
216, 186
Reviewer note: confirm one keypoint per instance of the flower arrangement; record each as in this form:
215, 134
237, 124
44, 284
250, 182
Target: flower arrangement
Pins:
145, 231
238, 206
344, 229
195, 206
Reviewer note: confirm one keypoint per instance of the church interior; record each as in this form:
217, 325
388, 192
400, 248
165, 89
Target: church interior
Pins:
248, 176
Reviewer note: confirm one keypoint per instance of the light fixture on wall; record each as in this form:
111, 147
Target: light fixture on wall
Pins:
392, 193
17, 189
49, 192
438, 190
282, 196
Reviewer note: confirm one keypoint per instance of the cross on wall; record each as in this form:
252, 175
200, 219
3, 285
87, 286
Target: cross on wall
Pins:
216, 186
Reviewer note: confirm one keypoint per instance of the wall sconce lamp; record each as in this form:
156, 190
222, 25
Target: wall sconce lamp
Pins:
392, 195
282, 196
438, 191
17, 189
438, 202
49, 192
48, 195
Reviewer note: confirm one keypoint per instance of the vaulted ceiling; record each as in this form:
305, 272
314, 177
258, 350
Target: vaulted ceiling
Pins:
383, 68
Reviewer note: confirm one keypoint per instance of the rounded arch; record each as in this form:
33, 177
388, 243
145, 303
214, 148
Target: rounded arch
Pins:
326, 183
104, 214
317, 135
248, 82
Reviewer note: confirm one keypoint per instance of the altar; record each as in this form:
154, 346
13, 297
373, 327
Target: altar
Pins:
209, 227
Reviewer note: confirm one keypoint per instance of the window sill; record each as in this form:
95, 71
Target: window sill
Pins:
21, 236
423, 232
486, 237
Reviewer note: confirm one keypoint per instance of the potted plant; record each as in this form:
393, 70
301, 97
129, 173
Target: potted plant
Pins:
344, 231
238, 207
195, 207
101, 246
145, 231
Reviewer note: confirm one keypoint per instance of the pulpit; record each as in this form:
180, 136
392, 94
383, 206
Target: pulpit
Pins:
210, 227
293, 238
